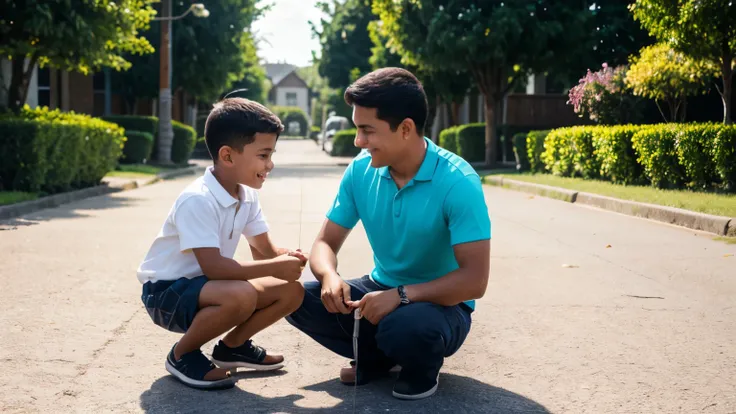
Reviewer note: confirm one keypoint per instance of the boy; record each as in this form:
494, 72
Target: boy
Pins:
192, 285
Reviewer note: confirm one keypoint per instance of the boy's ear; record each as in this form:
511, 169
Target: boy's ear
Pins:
226, 155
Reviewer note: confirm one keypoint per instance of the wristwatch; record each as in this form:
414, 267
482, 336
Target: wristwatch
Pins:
402, 294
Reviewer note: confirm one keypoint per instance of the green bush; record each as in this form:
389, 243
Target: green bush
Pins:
694, 152
724, 155
614, 151
535, 148
520, 154
138, 147
569, 152
54, 151
185, 137
656, 146
288, 114
343, 144
313, 134
140, 123
448, 139
471, 142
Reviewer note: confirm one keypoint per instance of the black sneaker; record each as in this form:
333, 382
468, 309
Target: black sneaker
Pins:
245, 356
191, 369
414, 386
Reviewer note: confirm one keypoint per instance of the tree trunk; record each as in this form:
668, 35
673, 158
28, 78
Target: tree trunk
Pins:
20, 79
726, 95
454, 113
490, 130
727, 75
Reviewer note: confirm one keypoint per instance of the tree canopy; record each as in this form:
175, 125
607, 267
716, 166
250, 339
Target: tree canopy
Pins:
663, 74
74, 35
497, 43
701, 29
345, 41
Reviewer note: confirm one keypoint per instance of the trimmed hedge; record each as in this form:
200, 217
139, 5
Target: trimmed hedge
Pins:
54, 151
724, 155
343, 144
522, 159
448, 139
185, 137
696, 156
314, 132
140, 123
535, 148
657, 149
138, 147
471, 142
288, 114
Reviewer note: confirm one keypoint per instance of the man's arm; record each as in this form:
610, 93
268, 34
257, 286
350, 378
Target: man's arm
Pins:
323, 257
468, 282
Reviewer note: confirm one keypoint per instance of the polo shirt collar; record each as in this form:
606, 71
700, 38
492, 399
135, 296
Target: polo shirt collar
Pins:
426, 170
217, 190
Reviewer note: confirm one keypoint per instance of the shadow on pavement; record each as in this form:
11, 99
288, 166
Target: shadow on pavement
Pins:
456, 394
70, 210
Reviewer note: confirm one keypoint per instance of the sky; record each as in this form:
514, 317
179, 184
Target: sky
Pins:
286, 28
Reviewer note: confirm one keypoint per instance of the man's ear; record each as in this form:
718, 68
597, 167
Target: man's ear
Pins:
407, 127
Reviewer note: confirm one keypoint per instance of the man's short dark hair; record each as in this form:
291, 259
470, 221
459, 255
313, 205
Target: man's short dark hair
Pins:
235, 121
395, 93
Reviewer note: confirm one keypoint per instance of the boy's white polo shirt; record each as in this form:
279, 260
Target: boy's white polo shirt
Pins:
204, 215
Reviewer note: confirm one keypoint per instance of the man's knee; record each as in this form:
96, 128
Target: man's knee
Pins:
415, 328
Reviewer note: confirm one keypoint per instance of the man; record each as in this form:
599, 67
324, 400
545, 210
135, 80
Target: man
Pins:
425, 216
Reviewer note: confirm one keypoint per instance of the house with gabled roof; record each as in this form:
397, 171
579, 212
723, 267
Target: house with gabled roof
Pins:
287, 87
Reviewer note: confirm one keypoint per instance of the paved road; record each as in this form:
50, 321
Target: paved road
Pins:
641, 320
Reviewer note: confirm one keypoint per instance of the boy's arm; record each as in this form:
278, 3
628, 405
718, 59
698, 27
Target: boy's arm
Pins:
262, 247
196, 222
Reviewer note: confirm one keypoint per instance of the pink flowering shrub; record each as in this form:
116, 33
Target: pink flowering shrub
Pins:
603, 98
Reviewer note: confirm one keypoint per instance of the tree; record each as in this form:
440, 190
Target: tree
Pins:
663, 74
74, 35
441, 86
210, 56
700, 29
498, 43
613, 36
344, 40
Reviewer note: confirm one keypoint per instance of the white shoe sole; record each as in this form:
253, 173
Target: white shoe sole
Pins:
205, 385
423, 395
257, 367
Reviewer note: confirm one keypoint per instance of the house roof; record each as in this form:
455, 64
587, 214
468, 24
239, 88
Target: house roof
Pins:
278, 71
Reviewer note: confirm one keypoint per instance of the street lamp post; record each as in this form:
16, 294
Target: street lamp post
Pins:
165, 130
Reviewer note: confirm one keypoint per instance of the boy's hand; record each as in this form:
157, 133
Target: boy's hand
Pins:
288, 267
304, 257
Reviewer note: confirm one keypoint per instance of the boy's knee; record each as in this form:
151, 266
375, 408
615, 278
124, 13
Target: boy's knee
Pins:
294, 295
243, 298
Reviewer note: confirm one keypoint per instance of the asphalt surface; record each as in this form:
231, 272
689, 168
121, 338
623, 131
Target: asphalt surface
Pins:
586, 311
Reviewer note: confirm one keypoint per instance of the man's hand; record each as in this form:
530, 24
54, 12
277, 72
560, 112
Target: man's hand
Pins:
376, 305
287, 267
335, 294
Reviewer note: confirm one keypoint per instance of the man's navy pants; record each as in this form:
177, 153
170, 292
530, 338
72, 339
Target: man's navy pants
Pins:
417, 336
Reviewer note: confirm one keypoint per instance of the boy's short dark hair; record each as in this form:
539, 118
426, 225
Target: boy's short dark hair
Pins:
396, 94
235, 121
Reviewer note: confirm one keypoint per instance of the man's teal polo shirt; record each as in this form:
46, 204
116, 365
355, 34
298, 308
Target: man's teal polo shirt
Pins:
413, 230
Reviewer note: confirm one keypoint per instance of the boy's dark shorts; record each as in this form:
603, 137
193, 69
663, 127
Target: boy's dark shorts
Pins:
172, 304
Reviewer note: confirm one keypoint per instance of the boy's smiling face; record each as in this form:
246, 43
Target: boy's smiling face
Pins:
253, 164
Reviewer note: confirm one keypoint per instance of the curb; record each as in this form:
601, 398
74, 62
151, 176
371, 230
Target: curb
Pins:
27, 207
720, 225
